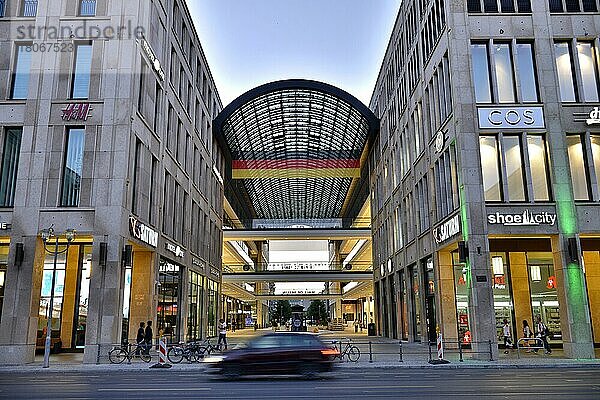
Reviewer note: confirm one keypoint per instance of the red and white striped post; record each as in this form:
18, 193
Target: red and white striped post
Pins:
440, 347
162, 354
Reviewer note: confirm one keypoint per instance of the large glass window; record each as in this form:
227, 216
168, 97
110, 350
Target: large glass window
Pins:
589, 70
10, 165
495, 6
80, 88
514, 168
46, 293
595, 141
544, 294
461, 287
503, 304
195, 307
416, 303
527, 75
126, 304
73, 167
578, 168
504, 73
564, 66
213, 301
536, 147
85, 274
489, 163
21, 72
168, 300
481, 76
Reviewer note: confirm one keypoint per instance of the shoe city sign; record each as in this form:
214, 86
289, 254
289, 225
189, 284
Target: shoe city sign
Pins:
526, 218
142, 232
176, 250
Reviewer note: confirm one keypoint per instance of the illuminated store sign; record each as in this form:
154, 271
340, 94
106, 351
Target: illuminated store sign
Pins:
176, 250
527, 218
447, 229
4, 226
594, 117
511, 117
142, 232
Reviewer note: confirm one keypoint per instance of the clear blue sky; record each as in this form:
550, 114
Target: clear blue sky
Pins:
251, 42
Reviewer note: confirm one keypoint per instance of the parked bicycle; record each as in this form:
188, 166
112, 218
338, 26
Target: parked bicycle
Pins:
346, 349
208, 348
128, 351
190, 351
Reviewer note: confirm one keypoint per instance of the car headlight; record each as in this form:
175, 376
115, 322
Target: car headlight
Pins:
213, 359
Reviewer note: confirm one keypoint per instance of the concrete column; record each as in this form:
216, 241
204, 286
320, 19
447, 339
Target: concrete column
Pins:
18, 329
106, 301
592, 274
446, 297
141, 306
520, 291
573, 303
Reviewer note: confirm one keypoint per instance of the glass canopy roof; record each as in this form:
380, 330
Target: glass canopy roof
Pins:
294, 148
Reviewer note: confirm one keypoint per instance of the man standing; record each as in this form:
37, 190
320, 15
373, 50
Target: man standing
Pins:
507, 336
222, 333
542, 333
140, 339
148, 335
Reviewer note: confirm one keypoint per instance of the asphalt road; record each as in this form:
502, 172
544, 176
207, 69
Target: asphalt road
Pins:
343, 384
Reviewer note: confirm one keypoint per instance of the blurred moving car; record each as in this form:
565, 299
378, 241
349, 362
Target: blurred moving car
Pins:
277, 353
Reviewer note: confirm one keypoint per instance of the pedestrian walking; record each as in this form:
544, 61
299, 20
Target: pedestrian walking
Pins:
222, 333
542, 333
139, 339
507, 336
526, 334
148, 336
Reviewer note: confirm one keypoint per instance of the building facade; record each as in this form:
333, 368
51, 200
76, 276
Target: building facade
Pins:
105, 115
485, 190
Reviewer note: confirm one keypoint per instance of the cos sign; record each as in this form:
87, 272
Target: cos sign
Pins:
511, 117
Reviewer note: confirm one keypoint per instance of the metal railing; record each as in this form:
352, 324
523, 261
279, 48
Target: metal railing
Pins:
462, 349
30, 8
87, 8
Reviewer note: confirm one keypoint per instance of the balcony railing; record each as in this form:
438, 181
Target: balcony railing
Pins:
87, 8
2, 7
30, 8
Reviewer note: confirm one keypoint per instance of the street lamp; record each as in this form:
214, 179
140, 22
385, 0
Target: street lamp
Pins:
48, 234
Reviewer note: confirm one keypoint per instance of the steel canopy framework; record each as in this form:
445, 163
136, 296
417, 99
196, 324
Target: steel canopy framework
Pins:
295, 148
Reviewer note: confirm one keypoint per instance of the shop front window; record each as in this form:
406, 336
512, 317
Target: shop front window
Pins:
3, 265
213, 300
195, 307
169, 279
503, 304
126, 303
461, 288
84, 296
416, 303
404, 305
46, 294
544, 294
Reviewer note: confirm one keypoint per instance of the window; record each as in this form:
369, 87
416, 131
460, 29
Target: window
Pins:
481, 77
3, 267
577, 163
559, 6
80, 88
2, 10
513, 167
564, 66
527, 75
21, 72
137, 171
29, 8
495, 6
87, 8
589, 70
73, 167
195, 307
504, 73
10, 165
446, 184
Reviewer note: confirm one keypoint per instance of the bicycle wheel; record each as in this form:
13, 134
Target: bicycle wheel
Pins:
175, 354
353, 353
200, 352
145, 357
117, 355
192, 356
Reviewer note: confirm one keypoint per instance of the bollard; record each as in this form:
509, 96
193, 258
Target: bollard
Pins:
162, 355
491, 354
370, 352
429, 348
460, 354
400, 351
